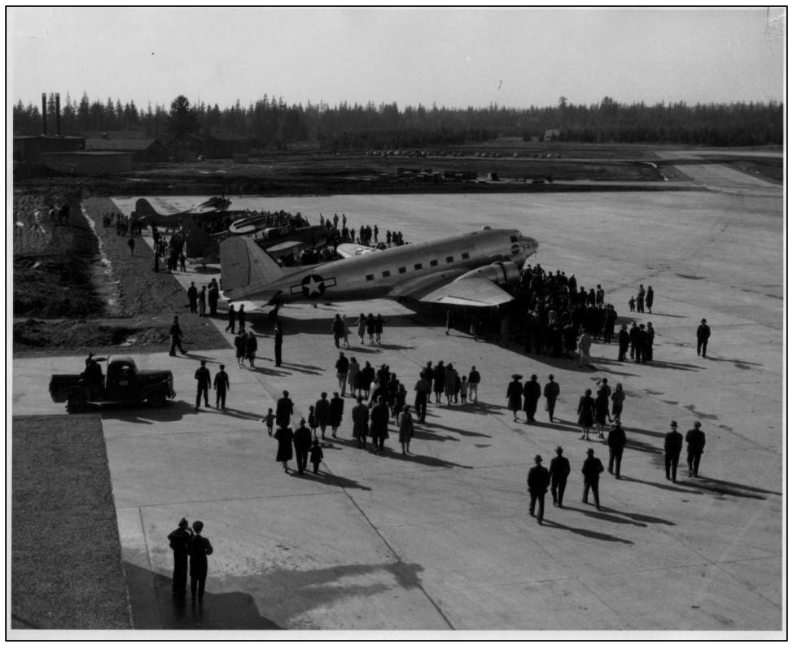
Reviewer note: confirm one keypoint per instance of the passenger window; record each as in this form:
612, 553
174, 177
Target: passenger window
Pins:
401, 269
418, 267
514, 238
449, 259
433, 263
368, 278
465, 256
385, 274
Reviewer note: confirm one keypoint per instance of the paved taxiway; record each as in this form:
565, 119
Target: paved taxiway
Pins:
442, 539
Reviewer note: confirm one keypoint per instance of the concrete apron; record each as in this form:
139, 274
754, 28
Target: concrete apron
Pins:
442, 539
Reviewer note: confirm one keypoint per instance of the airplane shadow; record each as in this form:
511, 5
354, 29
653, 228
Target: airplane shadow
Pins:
595, 535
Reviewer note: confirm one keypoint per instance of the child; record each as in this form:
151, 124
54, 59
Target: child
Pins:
312, 422
632, 303
316, 455
268, 420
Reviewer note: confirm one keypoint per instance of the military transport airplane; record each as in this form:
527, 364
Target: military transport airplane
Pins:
465, 269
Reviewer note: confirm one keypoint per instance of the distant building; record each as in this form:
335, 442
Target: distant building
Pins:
89, 163
220, 145
552, 135
142, 150
29, 150
114, 134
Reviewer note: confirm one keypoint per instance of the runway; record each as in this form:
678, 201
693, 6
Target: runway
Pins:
442, 539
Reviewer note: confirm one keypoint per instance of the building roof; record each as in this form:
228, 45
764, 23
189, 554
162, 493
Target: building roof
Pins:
114, 134
121, 145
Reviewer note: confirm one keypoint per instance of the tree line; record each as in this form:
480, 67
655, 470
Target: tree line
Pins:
270, 121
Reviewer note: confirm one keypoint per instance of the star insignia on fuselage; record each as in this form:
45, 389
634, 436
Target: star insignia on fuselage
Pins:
312, 286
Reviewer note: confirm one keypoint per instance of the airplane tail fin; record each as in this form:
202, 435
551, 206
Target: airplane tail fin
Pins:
143, 210
245, 267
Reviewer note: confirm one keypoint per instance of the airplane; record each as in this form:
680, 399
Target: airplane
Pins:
465, 269
145, 214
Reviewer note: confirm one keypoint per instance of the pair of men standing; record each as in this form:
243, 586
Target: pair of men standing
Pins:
189, 543
220, 385
673, 444
540, 477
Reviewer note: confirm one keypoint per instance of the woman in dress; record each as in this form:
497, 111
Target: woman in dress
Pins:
285, 451
586, 414
514, 395
618, 398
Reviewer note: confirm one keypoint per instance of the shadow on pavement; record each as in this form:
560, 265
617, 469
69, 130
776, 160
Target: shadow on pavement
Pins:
720, 487
153, 607
141, 413
433, 462
676, 489
329, 479
595, 535
605, 515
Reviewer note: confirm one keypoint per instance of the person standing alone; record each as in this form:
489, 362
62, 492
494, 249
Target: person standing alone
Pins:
591, 470
221, 385
202, 377
703, 333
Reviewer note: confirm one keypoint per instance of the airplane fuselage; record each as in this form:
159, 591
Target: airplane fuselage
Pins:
392, 271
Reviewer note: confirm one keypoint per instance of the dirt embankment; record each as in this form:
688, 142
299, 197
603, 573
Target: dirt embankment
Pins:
71, 295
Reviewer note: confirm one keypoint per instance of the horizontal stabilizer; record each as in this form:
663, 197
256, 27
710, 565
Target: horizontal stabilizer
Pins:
352, 250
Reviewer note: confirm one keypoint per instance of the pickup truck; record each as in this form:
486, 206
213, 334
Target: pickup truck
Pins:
124, 382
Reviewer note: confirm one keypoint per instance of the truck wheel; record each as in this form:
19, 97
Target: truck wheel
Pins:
76, 403
157, 399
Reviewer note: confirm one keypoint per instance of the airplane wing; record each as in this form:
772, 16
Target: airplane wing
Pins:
469, 291
351, 250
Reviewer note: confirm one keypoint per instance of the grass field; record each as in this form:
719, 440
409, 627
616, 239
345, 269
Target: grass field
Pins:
66, 563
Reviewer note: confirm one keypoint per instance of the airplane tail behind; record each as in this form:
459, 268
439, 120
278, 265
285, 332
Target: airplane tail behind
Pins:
245, 267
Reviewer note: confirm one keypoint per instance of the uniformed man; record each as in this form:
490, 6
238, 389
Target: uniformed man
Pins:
221, 386
202, 376
695, 442
538, 481
179, 541
559, 472
672, 445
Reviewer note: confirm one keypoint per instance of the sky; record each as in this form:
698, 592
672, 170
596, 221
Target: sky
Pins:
451, 57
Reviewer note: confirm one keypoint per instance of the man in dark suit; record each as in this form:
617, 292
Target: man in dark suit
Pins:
203, 380
551, 392
672, 445
703, 333
221, 386
179, 541
695, 441
302, 441
538, 481
199, 549
559, 471
616, 446
591, 470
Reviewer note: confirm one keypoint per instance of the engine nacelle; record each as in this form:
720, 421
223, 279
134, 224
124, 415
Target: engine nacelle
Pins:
497, 272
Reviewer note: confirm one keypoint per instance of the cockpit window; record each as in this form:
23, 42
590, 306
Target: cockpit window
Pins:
514, 238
